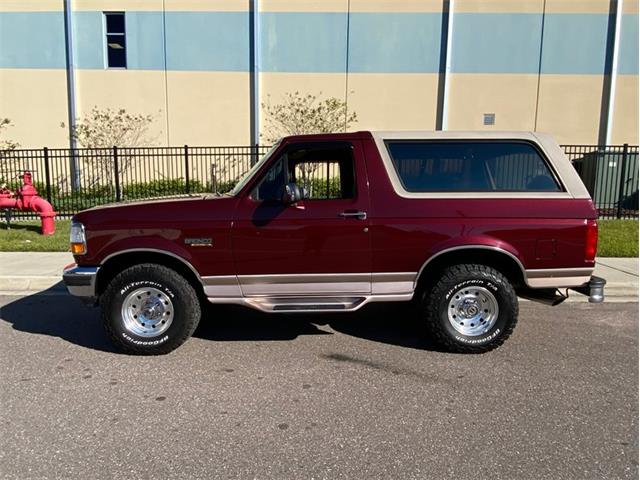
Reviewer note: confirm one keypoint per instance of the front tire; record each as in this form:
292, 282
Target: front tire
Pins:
471, 309
149, 309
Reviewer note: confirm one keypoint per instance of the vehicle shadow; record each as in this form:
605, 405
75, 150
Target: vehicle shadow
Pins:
391, 323
53, 312
230, 323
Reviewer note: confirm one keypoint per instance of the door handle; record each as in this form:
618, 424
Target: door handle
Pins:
354, 214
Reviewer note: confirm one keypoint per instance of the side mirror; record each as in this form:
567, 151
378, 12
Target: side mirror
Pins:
291, 194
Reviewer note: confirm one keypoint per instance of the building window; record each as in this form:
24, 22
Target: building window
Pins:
116, 44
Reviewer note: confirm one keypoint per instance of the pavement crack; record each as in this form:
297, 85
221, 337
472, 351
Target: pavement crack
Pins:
618, 269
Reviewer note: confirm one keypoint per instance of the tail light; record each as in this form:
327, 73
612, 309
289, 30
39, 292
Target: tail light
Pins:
591, 245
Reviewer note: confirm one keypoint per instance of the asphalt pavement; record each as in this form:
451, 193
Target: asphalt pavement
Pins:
361, 395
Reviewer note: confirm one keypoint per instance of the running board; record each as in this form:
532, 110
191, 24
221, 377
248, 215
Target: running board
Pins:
308, 304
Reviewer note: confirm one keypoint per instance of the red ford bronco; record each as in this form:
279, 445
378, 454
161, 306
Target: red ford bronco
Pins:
462, 223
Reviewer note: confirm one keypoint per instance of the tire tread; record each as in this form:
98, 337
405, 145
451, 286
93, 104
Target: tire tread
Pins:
186, 293
455, 274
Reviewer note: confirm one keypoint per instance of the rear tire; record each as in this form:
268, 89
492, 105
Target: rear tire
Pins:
471, 309
149, 309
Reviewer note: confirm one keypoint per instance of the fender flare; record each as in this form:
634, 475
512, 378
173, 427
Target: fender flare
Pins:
154, 250
470, 247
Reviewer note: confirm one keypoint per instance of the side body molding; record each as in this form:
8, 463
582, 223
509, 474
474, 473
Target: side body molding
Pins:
534, 278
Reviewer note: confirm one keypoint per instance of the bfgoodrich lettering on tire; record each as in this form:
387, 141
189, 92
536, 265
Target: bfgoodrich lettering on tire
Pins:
471, 309
149, 309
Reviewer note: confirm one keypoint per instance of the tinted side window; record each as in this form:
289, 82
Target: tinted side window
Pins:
443, 166
272, 184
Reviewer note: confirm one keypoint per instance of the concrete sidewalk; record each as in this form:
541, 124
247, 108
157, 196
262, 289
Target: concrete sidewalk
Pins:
33, 272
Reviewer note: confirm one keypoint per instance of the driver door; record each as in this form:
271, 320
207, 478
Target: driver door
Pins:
317, 246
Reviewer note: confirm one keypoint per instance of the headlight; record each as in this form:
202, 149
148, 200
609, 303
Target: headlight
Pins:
77, 239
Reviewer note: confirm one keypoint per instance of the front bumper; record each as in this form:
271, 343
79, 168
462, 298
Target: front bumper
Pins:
81, 282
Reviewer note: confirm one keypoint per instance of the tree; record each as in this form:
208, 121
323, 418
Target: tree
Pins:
106, 128
10, 164
103, 129
6, 144
300, 114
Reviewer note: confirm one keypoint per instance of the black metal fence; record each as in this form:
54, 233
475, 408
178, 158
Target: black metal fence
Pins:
610, 173
73, 180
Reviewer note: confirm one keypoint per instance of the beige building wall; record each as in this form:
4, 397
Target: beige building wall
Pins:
156, 5
500, 6
208, 108
625, 113
188, 108
213, 108
406, 101
569, 107
36, 103
512, 97
136, 91
275, 86
31, 6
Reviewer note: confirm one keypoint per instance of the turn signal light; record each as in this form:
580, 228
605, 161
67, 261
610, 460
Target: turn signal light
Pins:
78, 249
77, 239
591, 244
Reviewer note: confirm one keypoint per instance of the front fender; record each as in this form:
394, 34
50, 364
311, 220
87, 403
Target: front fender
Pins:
119, 244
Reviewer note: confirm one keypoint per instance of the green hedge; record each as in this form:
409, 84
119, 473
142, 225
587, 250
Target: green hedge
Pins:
317, 187
66, 202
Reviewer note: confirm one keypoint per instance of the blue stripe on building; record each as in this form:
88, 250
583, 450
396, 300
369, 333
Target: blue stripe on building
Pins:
303, 42
395, 42
628, 55
496, 43
575, 44
317, 42
145, 40
210, 41
88, 40
32, 40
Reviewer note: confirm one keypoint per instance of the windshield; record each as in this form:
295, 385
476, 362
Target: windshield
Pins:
247, 176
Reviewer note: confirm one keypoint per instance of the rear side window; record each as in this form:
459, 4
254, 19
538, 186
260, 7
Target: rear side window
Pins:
443, 166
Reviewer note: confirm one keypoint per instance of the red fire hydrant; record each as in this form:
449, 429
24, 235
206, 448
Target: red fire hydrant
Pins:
27, 199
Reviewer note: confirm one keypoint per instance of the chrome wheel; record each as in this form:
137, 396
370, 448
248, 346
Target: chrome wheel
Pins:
472, 311
147, 312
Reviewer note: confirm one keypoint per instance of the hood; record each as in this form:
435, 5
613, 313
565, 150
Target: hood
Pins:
157, 210
150, 201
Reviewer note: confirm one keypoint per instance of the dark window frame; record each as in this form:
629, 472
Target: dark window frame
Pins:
347, 146
554, 175
108, 34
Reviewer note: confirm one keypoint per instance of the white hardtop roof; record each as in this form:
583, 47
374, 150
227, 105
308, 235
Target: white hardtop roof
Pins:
546, 142
459, 134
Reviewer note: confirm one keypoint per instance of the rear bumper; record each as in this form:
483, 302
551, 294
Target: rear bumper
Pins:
81, 282
558, 277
